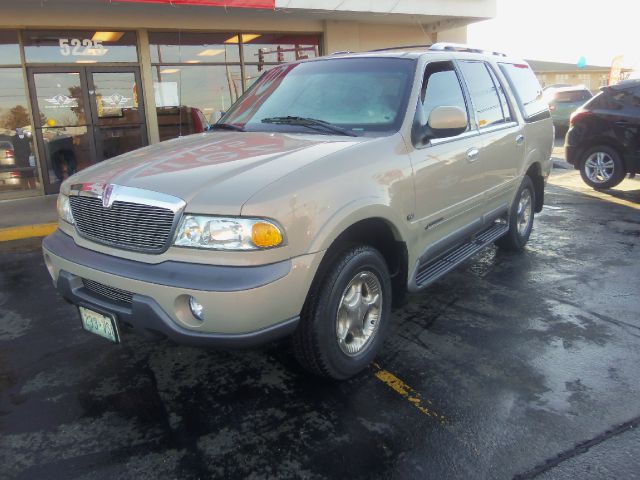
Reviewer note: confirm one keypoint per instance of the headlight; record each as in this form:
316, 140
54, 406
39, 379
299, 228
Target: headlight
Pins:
221, 233
64, 209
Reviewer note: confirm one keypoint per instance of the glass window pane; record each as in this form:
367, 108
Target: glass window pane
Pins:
79, 46
274, 48
506, 110
527, 88
483, 94
188, 98
67, 150
442, 89
9, 49
180, 47
253, 73
116, 98
18, 169
60, 100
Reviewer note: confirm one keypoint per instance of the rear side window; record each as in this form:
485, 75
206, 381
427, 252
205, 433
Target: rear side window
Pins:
572, 96
484, 94
527, 90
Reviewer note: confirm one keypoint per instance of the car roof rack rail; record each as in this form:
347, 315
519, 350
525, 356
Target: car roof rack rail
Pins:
460, 47
399, 48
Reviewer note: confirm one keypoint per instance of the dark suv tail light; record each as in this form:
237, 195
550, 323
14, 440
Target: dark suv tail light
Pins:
9, 154
578, 115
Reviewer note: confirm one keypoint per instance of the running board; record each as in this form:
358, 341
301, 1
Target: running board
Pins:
431, 271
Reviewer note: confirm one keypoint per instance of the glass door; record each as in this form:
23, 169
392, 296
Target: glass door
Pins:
85, 115
118, 112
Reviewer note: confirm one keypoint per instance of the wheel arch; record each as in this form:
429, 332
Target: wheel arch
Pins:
376, 231
534, 172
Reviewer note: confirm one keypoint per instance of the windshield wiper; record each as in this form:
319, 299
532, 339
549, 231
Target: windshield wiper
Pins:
226, 126
309, 122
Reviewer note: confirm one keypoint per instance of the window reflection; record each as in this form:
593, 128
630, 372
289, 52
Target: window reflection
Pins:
274, 48
9, 50
18, 169
187, 47
189, 98
67, 150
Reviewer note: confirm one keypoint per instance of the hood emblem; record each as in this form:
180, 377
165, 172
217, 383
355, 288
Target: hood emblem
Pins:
107, 195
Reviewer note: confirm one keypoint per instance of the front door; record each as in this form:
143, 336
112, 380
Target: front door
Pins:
84, 115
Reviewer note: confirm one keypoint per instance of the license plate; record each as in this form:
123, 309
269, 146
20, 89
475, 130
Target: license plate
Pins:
100, 324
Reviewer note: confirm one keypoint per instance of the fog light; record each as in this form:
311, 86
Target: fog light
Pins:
196, 308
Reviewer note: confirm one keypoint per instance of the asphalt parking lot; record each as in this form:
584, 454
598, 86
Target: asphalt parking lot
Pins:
513, 366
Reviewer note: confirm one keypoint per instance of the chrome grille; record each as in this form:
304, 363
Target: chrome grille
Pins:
132, 226
111, 293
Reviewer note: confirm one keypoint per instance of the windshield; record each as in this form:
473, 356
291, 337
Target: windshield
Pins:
364, 96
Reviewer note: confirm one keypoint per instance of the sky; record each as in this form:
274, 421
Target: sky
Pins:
563, 30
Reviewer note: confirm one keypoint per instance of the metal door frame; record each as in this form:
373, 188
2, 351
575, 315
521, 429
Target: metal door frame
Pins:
90, 109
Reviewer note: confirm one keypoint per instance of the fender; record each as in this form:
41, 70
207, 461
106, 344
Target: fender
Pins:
359, 209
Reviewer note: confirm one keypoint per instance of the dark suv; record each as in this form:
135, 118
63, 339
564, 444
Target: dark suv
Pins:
603, 140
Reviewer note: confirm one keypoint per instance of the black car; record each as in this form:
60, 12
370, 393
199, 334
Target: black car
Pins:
603, 140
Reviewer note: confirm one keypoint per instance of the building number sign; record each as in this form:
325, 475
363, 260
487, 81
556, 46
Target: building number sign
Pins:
81, 47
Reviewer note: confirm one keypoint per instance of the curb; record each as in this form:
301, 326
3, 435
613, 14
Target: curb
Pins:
27, 231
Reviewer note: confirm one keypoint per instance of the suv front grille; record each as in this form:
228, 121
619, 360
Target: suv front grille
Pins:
111, 293
132, 226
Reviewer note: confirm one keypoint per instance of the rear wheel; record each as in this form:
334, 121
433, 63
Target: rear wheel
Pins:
346, 316
602, 167
520, 218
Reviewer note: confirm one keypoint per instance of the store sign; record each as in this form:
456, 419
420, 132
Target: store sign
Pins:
79, 47
270, 4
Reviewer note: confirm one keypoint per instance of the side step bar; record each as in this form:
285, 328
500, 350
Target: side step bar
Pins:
429, 272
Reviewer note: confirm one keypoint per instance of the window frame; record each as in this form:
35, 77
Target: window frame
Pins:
490, 128
472, 128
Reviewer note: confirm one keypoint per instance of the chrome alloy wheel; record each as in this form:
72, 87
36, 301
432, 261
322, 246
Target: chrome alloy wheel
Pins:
359, 313
525, 212
599, 167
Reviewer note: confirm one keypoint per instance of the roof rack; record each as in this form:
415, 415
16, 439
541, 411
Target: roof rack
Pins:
459, 47
399, 48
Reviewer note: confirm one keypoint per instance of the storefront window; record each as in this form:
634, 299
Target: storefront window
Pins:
189, 98
74, 46
198, 76
9, 49
183, 47
273, 48
18, 170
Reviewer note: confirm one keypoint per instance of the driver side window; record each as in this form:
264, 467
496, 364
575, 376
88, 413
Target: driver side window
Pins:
441, 87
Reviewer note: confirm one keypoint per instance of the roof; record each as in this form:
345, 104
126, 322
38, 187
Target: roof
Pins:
542, 66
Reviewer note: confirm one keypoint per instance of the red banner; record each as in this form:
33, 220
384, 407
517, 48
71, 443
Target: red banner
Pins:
270, 4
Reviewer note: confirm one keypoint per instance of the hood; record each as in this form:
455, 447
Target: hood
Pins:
214, 172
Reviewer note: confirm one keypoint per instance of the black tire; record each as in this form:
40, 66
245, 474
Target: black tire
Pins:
315, 342
516, 238
616, 176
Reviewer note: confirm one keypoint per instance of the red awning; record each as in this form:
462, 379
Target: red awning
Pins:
271, 4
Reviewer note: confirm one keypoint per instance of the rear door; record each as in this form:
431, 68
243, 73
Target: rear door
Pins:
502, 138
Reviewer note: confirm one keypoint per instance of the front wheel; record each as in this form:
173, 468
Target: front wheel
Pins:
346, 316
602, 168
520, 218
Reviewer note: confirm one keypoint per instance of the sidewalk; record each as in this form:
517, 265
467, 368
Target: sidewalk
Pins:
28, 217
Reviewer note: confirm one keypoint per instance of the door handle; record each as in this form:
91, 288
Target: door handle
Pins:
520, 140
473, 154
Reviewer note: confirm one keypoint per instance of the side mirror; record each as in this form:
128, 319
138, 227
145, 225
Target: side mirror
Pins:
445, 121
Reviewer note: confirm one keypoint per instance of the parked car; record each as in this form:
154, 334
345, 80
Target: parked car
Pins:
327, 190
563, 101
7, 154
603, 140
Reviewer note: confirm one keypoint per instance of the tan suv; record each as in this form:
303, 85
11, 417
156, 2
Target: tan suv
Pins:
327, 190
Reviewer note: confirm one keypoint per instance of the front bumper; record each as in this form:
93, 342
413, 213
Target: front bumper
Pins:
243, 306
